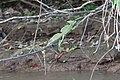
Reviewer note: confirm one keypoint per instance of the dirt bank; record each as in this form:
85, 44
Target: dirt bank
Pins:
81, 58
19, 38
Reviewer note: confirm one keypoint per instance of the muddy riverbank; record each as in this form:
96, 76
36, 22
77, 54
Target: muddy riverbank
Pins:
17, 38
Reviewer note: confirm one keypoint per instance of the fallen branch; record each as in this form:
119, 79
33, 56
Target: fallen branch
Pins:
31, 53
22, 17
44, 14
78, 8
57, 14
36, 6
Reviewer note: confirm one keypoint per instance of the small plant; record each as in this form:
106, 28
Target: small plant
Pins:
116, 4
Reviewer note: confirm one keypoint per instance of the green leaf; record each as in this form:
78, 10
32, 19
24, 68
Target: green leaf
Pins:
55, 37
113, 4
116, 4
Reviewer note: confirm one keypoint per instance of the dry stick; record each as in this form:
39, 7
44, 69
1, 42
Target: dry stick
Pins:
95, 11
44, 55
37, 27
97, 20
114, 30
108, 26
45, 14
102, 58
26, 2
98, 42
109, 18
106, 52
52, 14
106, 37
78, 8
45, 5
70, 5
64, 10
45, 67
85, 54
103, 20
117, 31
55, 10
108, 23
90, 14
104, 27
3, 40
23, 17
28, 54
81, 41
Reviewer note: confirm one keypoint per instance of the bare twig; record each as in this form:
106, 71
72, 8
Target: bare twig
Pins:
24, 1
90, 14
37, 27
99, 41
23, 17
44, 14
106, 32
102, 58
54, 14
105, 7
78, 8
55, 10
28, 54
84, 31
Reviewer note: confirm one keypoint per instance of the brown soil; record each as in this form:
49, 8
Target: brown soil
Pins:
79, 59
19, 36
